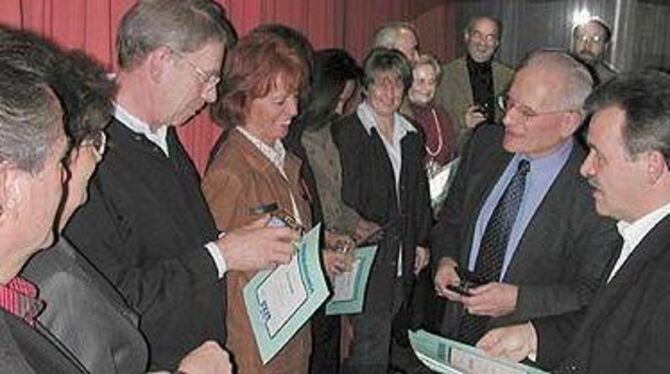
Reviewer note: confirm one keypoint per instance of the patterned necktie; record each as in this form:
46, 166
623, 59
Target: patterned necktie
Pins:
493, 246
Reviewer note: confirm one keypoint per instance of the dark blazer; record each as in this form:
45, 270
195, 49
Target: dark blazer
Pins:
144, 227
23, 350
627, 327
85, 312
368, 186
561, 257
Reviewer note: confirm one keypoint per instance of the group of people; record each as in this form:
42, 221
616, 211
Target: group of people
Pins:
116, 258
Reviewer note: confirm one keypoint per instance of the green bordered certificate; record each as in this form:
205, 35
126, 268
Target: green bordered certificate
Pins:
280, 301
447, 356
349, 287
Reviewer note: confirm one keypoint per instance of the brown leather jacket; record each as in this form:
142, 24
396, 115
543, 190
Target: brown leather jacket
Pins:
240, 178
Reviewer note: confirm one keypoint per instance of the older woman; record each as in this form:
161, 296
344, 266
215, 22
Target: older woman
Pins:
258, 98
384, 181
438, 131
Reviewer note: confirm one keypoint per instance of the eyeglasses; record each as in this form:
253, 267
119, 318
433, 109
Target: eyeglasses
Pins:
99, 143
210, 79
505, 103
595, 39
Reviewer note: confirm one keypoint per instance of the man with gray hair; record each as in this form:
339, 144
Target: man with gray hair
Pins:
518, 237
146, 225
626, 328
400, 36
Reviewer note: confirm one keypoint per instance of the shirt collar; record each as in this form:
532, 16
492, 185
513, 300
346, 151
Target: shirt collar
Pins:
365, 114
134, 124
635, 231
275, 153
19, 298
555, 157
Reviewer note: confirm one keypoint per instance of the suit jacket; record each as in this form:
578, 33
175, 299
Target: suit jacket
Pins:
560, 259
368, 186
455, 92
23, 350
85, 312
627, 327
144, 227
239, 178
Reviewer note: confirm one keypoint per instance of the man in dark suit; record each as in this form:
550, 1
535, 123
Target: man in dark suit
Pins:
518, 216
146, 225
626, 329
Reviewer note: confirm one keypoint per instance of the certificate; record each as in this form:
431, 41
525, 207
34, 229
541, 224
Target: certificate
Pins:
349, 286
280, 301
440, 181
447, 356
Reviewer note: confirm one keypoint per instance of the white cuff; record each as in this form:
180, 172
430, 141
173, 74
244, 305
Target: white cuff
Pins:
219, 260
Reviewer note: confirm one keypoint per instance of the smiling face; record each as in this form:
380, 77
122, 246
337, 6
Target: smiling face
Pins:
424, 84
385, 93
190, 82
534, 124
617, 177
270, 116
482, 39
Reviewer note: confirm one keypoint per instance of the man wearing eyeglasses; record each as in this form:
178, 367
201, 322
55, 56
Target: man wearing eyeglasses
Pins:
518, 237
590, 43
146, 225
470, 83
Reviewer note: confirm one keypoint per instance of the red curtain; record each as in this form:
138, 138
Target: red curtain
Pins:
91, 25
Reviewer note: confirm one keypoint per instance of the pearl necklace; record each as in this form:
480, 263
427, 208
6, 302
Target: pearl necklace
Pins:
439, 136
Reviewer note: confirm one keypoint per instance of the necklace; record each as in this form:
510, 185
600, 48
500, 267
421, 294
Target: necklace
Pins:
438, 129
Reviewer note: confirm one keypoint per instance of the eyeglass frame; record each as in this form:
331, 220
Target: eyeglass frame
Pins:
209, 79
98, 141
526, 112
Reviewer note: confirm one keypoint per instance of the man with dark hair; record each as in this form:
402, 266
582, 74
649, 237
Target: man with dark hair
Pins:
626, 328
590, 43
146, 225
518, 221
471, 83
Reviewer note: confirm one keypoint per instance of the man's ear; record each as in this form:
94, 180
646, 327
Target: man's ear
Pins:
158, 61
10, 193
571, 122
657, 166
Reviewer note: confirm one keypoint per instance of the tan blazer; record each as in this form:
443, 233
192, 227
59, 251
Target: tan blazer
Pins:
239, 178
455, 92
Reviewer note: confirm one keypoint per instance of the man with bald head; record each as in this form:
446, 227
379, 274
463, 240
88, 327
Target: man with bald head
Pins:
590, 43
400, 36
626, 328
519, 222
470, 83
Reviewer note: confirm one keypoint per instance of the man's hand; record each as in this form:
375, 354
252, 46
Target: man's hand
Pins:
421, 259
474, 116
256, 246
446, 275
492, 299
336, 262
209, 358
512, 342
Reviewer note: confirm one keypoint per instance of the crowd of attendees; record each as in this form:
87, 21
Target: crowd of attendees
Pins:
117, 257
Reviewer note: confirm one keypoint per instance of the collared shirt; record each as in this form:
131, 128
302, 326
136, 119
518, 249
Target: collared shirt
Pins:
19, 298
277, 155
159, 138
401, 127
633, 233
543, 172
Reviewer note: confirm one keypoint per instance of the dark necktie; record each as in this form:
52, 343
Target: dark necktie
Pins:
493, 246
